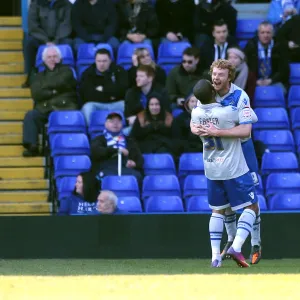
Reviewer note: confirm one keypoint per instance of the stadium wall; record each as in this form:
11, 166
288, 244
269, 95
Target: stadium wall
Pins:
134, 236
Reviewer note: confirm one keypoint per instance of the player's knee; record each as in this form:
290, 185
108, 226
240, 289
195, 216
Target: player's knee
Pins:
228, 211
253, 207
221, 211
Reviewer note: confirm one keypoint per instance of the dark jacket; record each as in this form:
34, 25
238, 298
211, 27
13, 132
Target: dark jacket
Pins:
50, 23
175, 17
54, 90
160, 76
279, 56
114, 83
133, 103
88, 19
204, 20
146, 21
180, 82
289, 31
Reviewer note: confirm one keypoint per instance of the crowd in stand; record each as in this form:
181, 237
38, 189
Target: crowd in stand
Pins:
146, 94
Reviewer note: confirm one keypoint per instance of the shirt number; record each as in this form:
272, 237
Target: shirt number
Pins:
212, 143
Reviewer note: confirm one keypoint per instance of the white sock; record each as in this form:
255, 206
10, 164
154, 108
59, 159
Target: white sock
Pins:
216, 226
230, 224
255, 234
244, 227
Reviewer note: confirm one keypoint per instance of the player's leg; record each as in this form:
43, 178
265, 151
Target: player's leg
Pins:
218, 203
241, 193
255, 254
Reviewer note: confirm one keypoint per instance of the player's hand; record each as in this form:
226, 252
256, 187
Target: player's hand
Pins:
210, 130
196, 129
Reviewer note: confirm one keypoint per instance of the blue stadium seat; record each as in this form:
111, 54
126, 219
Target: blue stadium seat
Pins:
123, 186
66, 52
126, 50
66, 186
70, 144
259, 188
247, 28
295, 117
171, 53
130, 204
190, 164
243, 44
86, 53
269, 96
176, 112
295, 73
297, 139
71, 165
262, 202
283, 183
272, 118
276, 140
161, 185
294, 96
159, 164
197, 203
66, 121
279, 162
164, 204
195, 185
167, 67
285, 202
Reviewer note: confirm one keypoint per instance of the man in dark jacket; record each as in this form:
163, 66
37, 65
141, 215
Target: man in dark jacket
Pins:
52, 89
103, 85
105, 148
95, 21
267, 58
49, 22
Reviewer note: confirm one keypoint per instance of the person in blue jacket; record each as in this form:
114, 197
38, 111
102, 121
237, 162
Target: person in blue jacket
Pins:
84, 197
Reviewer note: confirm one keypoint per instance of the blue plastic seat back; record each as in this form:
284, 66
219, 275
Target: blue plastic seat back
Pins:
176, 112
269, 96
195, 185
161, 185
190, 164
294, 96
243, 44
86, 53
130, 204
272, 118
159, 164
171, 52
123, 186
168, 67
295, 117
246, 28
259, 188
65, 186
283, 183
197, 203
164, 204
285, 202
294, 74
262, 202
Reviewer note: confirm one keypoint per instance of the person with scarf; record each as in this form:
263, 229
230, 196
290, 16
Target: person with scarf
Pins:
84, 197
105, 148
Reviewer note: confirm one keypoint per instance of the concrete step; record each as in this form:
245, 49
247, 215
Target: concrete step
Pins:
15, 105
22, 173
7, 57
12, 80
10, 21
11, 45
31, 207
11, 151
9, 34
11, 128
21, 184
15, 93
24, 196
22, 162
12, 115
11, 68
10, 139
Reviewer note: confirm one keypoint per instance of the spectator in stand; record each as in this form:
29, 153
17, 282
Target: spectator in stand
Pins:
267, 58
49, 23
103, 85
216, 48
175, 19
95, 21
108, 204
52, 89
206, 14
182, 130
84, 197
141, 57
152, 128
136, 98
105, 148
137, 21
182, 78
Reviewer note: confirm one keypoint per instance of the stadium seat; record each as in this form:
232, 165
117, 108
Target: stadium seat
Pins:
268, 96
195, 185
123, 186
164, 204
295, 117
126, 50
279, 162
190, 164
167, 67
283, 183
161, 185
176, 112
262, 202
271, 118
285, 202
197, 203
65, 187
66, 121
159, 164
66, 51
171, 53
294, 96
70, 144
242, 44
246, 28
86, 53
297, 139
259, 188
71, 165
276, 140
130, 204
294, 73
